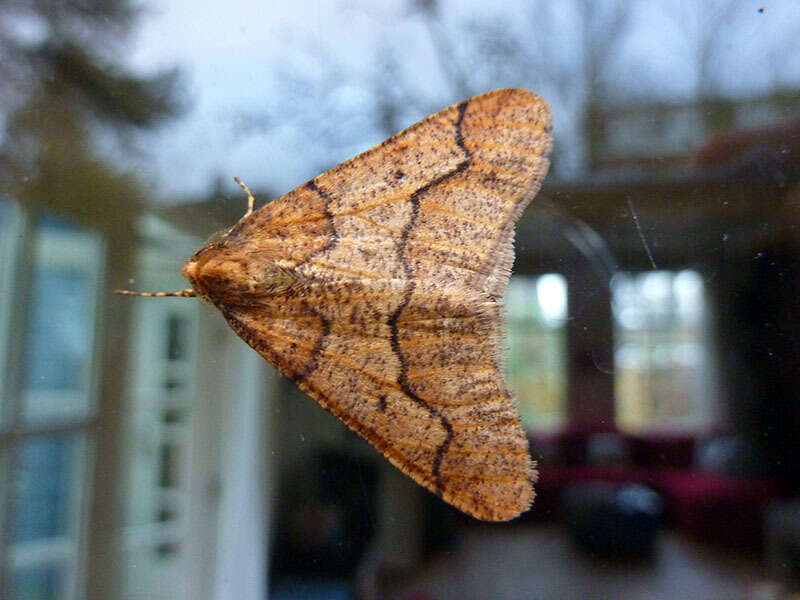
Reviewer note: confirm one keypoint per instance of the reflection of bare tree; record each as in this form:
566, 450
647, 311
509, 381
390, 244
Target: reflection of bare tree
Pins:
567, 49
705, 31
721, 43
470, 56
564, 51
444, 46
708, 27
575, 53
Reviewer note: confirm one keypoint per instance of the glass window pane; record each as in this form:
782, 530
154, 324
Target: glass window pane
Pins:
47, 500
536, 367
43, 488
9, 219
60, 327
37, 583
58, 344
3, 499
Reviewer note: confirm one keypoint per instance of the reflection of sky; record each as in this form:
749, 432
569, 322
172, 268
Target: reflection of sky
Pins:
58, 331
231, 51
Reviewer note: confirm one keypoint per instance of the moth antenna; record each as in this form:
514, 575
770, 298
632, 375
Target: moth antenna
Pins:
250, 198
187, 293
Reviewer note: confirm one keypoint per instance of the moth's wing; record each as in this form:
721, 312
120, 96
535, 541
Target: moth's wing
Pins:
423, 385
437, 201
410, 360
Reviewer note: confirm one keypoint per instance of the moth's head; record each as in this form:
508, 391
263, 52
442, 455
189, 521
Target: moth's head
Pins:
225, 275
216, 274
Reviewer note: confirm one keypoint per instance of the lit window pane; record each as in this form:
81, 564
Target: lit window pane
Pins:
537, 310
662, 370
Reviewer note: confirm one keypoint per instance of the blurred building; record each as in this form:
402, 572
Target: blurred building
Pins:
660, 137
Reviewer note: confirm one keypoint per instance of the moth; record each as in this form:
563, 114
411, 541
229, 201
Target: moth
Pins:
376, 287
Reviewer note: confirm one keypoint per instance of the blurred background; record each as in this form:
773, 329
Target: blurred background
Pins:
654, 344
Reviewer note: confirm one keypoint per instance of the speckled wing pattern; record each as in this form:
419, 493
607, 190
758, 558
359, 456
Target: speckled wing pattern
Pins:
403, 253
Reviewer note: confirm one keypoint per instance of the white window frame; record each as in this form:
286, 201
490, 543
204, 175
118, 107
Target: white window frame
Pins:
16, 275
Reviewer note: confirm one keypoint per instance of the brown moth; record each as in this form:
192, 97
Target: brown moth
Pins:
376, 288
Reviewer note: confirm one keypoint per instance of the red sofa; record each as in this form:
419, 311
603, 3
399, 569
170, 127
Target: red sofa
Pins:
712, 507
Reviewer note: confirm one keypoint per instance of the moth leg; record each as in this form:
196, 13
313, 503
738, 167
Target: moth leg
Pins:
250, 199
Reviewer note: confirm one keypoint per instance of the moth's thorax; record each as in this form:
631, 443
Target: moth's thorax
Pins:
227, 276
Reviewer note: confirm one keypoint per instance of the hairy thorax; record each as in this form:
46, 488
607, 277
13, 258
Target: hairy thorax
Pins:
230, 277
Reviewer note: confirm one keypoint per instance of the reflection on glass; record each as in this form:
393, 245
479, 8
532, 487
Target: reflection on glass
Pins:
661, 354
37, 583
57, 340
43, 488
168, 469
48, 487
176, 337
158, 437
8, 225
537, 310
60, 326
